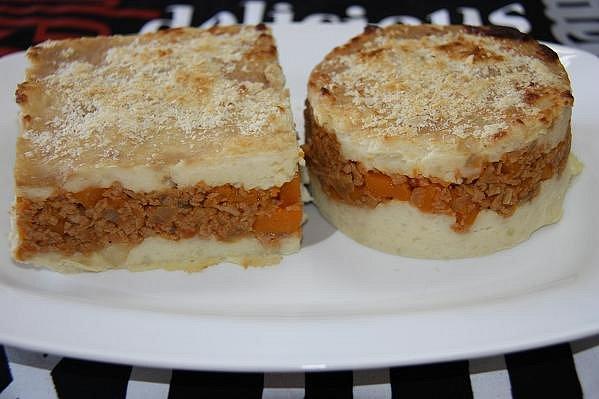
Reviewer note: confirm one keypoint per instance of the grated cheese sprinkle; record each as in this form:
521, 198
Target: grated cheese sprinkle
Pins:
155, 99
451, 85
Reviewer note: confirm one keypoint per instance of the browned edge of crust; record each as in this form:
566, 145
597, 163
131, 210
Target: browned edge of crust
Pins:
265, 47
521, 42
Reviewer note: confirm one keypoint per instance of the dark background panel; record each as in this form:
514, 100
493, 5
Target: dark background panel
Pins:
186, 384
547, 372
82, 379
22, 23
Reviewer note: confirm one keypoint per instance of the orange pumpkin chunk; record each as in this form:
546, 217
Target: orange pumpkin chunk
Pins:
290, 192
280, 220
89, 197
381, 185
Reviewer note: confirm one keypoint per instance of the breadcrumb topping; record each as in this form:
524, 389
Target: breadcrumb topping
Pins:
154, 99
445, 83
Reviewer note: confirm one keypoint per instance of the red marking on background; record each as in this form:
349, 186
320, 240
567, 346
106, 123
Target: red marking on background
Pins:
43, 29
43, 25
6, 32
8, 50
110, 3
96, 10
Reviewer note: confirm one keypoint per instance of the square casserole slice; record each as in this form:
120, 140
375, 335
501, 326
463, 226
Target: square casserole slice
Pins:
173, 150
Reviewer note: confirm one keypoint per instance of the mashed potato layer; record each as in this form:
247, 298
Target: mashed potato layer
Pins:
191, 254
399, 228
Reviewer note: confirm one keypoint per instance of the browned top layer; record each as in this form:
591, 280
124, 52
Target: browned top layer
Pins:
175, 97
436, 84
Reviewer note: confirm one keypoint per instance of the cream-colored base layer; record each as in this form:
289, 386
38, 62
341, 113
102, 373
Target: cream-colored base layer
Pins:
191, 254
400, 228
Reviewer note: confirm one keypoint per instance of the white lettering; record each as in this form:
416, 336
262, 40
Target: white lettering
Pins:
220, 18
575, 23
399, 19
253, 12
282, 13
439, 17
181, 16
504, 17
356, 14
470, 16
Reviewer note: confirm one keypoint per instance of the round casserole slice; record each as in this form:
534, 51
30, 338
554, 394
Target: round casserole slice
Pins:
439, 141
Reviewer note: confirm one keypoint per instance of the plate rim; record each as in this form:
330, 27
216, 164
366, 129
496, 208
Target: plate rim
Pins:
14, 301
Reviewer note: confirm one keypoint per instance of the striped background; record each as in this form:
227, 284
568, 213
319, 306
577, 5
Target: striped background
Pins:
559, 371
567, 370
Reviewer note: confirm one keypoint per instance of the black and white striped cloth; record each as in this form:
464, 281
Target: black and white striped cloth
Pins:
568, 370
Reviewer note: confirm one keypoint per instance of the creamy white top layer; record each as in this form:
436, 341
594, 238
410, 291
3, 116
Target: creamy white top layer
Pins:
438, 101
154, 111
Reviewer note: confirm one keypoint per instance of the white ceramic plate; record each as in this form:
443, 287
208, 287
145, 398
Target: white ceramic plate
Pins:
333, 305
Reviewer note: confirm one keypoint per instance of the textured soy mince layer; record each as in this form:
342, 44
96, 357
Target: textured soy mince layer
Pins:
500, 186
96, 217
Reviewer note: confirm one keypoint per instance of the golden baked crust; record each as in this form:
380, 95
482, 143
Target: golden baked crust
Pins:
156, 104
439, 141
440, 100
173, 149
